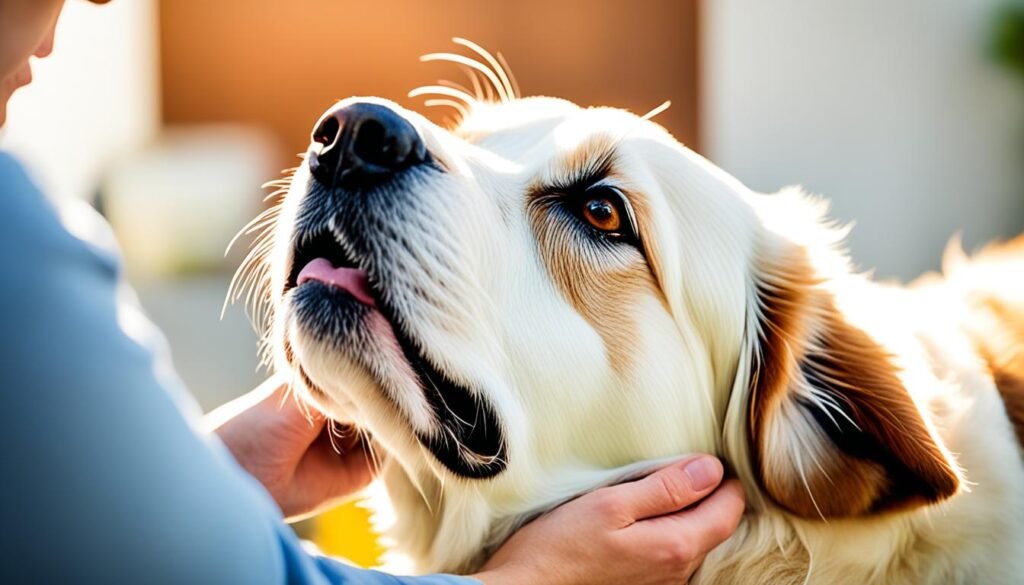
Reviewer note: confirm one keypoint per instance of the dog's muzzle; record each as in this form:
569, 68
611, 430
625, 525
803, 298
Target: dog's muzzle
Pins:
354, 287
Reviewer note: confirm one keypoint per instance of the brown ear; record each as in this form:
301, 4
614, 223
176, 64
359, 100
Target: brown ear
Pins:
833, 431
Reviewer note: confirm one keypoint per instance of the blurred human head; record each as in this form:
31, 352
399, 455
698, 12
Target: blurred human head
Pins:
26, 30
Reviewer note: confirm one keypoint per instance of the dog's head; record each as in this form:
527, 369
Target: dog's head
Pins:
549, 289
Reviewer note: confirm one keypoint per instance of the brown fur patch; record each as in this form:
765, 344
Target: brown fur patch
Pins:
996, 323
1010, 251
592, 156
603, 285
289, 353
602, 281
877, 453
1009, 378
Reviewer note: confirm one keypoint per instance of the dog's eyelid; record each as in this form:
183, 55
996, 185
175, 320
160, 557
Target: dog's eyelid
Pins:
581, 177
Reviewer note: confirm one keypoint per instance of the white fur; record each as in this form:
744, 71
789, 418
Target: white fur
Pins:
574, 423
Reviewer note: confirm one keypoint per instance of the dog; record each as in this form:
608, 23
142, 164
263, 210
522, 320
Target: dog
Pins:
546, 298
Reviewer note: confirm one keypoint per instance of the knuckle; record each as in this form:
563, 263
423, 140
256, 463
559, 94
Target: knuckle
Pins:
735, 514
682, 552
605, 504
725, 527
721, 531
675, 489
620, 548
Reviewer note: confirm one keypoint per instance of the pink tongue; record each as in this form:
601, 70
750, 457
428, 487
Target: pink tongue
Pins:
351, 280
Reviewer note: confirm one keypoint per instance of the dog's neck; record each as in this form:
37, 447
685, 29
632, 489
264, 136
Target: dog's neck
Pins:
430, 516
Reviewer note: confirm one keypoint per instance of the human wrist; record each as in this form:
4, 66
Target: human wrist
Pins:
493, 577
519, 570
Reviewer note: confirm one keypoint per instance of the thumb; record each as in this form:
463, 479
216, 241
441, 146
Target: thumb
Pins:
671, 488
269, 393
299, 423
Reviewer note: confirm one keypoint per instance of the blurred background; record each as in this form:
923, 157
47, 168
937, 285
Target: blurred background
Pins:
169, 115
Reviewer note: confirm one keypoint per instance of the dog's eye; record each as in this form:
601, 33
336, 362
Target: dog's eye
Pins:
601, 214
605, 209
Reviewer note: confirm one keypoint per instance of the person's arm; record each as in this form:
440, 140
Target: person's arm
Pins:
104, 479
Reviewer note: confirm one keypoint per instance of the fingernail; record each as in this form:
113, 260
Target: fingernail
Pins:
703, 473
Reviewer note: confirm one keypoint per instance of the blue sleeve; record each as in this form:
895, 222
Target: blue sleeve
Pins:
103, 478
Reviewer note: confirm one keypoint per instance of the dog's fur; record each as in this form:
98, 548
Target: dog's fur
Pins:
873, 426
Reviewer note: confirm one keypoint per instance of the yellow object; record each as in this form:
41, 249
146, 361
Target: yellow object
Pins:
346, 532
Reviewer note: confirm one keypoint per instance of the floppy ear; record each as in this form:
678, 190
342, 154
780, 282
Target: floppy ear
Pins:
833, 430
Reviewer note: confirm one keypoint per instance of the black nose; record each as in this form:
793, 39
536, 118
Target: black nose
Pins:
361, 143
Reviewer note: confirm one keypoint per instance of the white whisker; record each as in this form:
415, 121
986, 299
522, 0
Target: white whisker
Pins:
474, 79
252, 278
443, 91
280, 194
457, 106
453, 85
511, 77
506, 85
463, 60
255, 224
664, 106
367, 441
807, 485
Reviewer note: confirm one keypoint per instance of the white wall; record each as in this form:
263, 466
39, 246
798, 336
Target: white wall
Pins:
890, 109
95, 98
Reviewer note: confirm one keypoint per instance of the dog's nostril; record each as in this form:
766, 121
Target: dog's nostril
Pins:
374, 146
327, 132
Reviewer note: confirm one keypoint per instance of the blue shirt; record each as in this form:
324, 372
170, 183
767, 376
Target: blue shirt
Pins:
104, 477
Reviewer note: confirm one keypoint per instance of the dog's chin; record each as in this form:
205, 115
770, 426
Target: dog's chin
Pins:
355, 363
345, 353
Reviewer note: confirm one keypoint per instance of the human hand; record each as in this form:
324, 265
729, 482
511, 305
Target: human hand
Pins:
647, 532
289, 450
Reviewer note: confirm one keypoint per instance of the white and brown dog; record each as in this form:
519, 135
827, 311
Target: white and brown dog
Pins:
549, 298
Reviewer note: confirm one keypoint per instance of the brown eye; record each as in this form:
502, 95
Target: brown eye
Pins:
602, 214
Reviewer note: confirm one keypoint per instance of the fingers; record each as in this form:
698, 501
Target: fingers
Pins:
346, 436
695, 531
667, 490
276, 385
343, 448
267, 395
585, 540
719, 514
336, 470
295, 409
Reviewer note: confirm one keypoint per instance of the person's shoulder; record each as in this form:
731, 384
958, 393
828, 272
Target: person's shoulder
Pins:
8, 163
24, 207
12, 172
46, 234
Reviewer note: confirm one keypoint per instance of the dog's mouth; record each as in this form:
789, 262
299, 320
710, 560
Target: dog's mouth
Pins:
322, 259
327, 277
